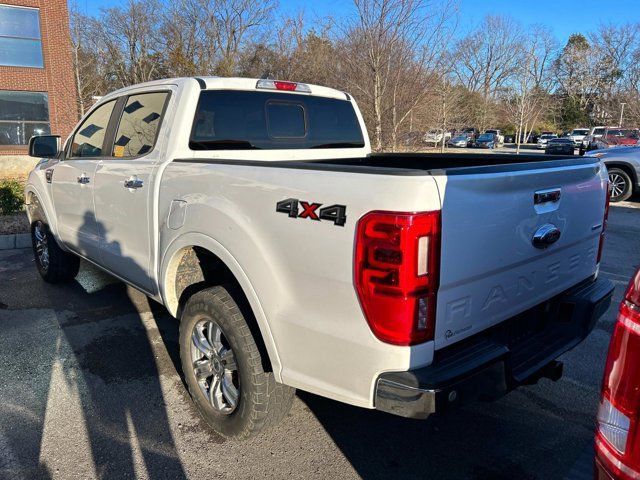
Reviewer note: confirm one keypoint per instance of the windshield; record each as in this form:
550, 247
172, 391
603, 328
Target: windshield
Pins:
598, 131
580, 132
241, 120
486, 136
547, 137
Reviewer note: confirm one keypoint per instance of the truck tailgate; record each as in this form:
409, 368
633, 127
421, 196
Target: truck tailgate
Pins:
490, 269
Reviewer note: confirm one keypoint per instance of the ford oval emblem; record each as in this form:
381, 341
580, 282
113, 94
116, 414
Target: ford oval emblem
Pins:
545, 235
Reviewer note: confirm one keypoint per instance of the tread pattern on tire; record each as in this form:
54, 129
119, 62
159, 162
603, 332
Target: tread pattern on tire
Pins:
268, 401
63, 266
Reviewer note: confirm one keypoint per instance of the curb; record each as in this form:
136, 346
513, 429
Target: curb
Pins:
15, 240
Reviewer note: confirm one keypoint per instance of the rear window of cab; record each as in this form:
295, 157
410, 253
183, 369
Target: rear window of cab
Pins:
242, 120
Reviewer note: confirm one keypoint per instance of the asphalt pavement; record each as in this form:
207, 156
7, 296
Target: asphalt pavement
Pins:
90, 388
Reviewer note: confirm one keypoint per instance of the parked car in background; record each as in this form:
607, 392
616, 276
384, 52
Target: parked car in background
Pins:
560, 146
623, 164
486, 140
499, 137
594, 134
618, 423
616, 137
412, 139
470, 131
577, 135
435, 136
544, 138
459, 141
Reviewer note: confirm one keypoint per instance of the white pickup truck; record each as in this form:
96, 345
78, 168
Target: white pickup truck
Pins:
294, 258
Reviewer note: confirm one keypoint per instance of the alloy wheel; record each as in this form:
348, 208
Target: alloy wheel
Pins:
214, 366
42, 245
618, 185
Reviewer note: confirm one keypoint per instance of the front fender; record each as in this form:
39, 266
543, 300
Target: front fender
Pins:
38, 188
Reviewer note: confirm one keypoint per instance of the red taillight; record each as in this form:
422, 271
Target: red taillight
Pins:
618, 434
604, 221
396, 274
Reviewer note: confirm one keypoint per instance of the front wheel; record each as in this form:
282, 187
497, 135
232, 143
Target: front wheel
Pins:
54, 264
621, 185
223, 366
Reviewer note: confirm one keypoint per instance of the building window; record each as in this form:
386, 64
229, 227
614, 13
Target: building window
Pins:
23, 115
20, 40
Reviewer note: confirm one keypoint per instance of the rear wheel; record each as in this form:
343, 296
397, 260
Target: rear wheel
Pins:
223, 367
621, 185
54, 264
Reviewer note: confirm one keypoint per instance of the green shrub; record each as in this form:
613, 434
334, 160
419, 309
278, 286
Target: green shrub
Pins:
11, 196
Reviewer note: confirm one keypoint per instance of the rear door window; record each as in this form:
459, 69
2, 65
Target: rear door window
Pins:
228, 119
139, 124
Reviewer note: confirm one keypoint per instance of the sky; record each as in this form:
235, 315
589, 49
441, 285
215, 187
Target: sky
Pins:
564, 17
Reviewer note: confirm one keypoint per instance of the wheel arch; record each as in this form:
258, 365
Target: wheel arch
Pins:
36, 202
195, 261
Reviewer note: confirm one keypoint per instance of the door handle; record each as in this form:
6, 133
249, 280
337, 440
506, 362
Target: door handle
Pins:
83, 179
133, 182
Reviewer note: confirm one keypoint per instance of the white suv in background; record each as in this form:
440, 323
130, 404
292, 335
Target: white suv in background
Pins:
578, 134
435, 136
544, 139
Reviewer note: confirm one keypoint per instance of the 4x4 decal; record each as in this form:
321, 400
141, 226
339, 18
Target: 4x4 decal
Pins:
334, 213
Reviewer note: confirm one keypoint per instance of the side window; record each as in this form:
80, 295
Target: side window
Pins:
139, 124
89, 139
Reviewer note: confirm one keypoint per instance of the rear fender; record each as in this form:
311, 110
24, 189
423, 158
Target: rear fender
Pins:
169, 264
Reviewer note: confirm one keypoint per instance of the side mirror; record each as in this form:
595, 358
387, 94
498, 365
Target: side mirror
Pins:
44, 146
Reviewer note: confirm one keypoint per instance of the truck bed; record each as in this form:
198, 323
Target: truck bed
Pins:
421, 163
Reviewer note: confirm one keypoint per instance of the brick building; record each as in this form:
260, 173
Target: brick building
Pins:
37, 86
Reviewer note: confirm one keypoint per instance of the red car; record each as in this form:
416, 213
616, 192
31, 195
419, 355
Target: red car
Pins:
615, 137
618, 424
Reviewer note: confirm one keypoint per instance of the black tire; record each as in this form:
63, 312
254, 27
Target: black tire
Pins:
261, 401
54, 264
621, 185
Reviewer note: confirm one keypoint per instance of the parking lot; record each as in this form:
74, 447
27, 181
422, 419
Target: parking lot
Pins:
90, 387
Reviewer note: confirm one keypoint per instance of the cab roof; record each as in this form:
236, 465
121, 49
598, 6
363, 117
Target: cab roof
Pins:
228, 83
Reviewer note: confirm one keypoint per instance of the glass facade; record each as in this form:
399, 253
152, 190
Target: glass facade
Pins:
23, 115
20, 39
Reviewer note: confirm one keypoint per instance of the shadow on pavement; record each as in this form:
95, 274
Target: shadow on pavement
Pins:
98, 341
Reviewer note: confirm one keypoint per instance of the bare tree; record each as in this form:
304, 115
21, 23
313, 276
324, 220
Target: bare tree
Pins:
185, 46
618, 50
390, 48
487, 58
127, 39
229, 26
88, 79
526, 97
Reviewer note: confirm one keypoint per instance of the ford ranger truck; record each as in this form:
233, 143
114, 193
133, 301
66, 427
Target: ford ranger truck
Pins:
293, 257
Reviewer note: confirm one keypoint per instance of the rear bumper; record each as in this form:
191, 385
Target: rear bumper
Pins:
518, 351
